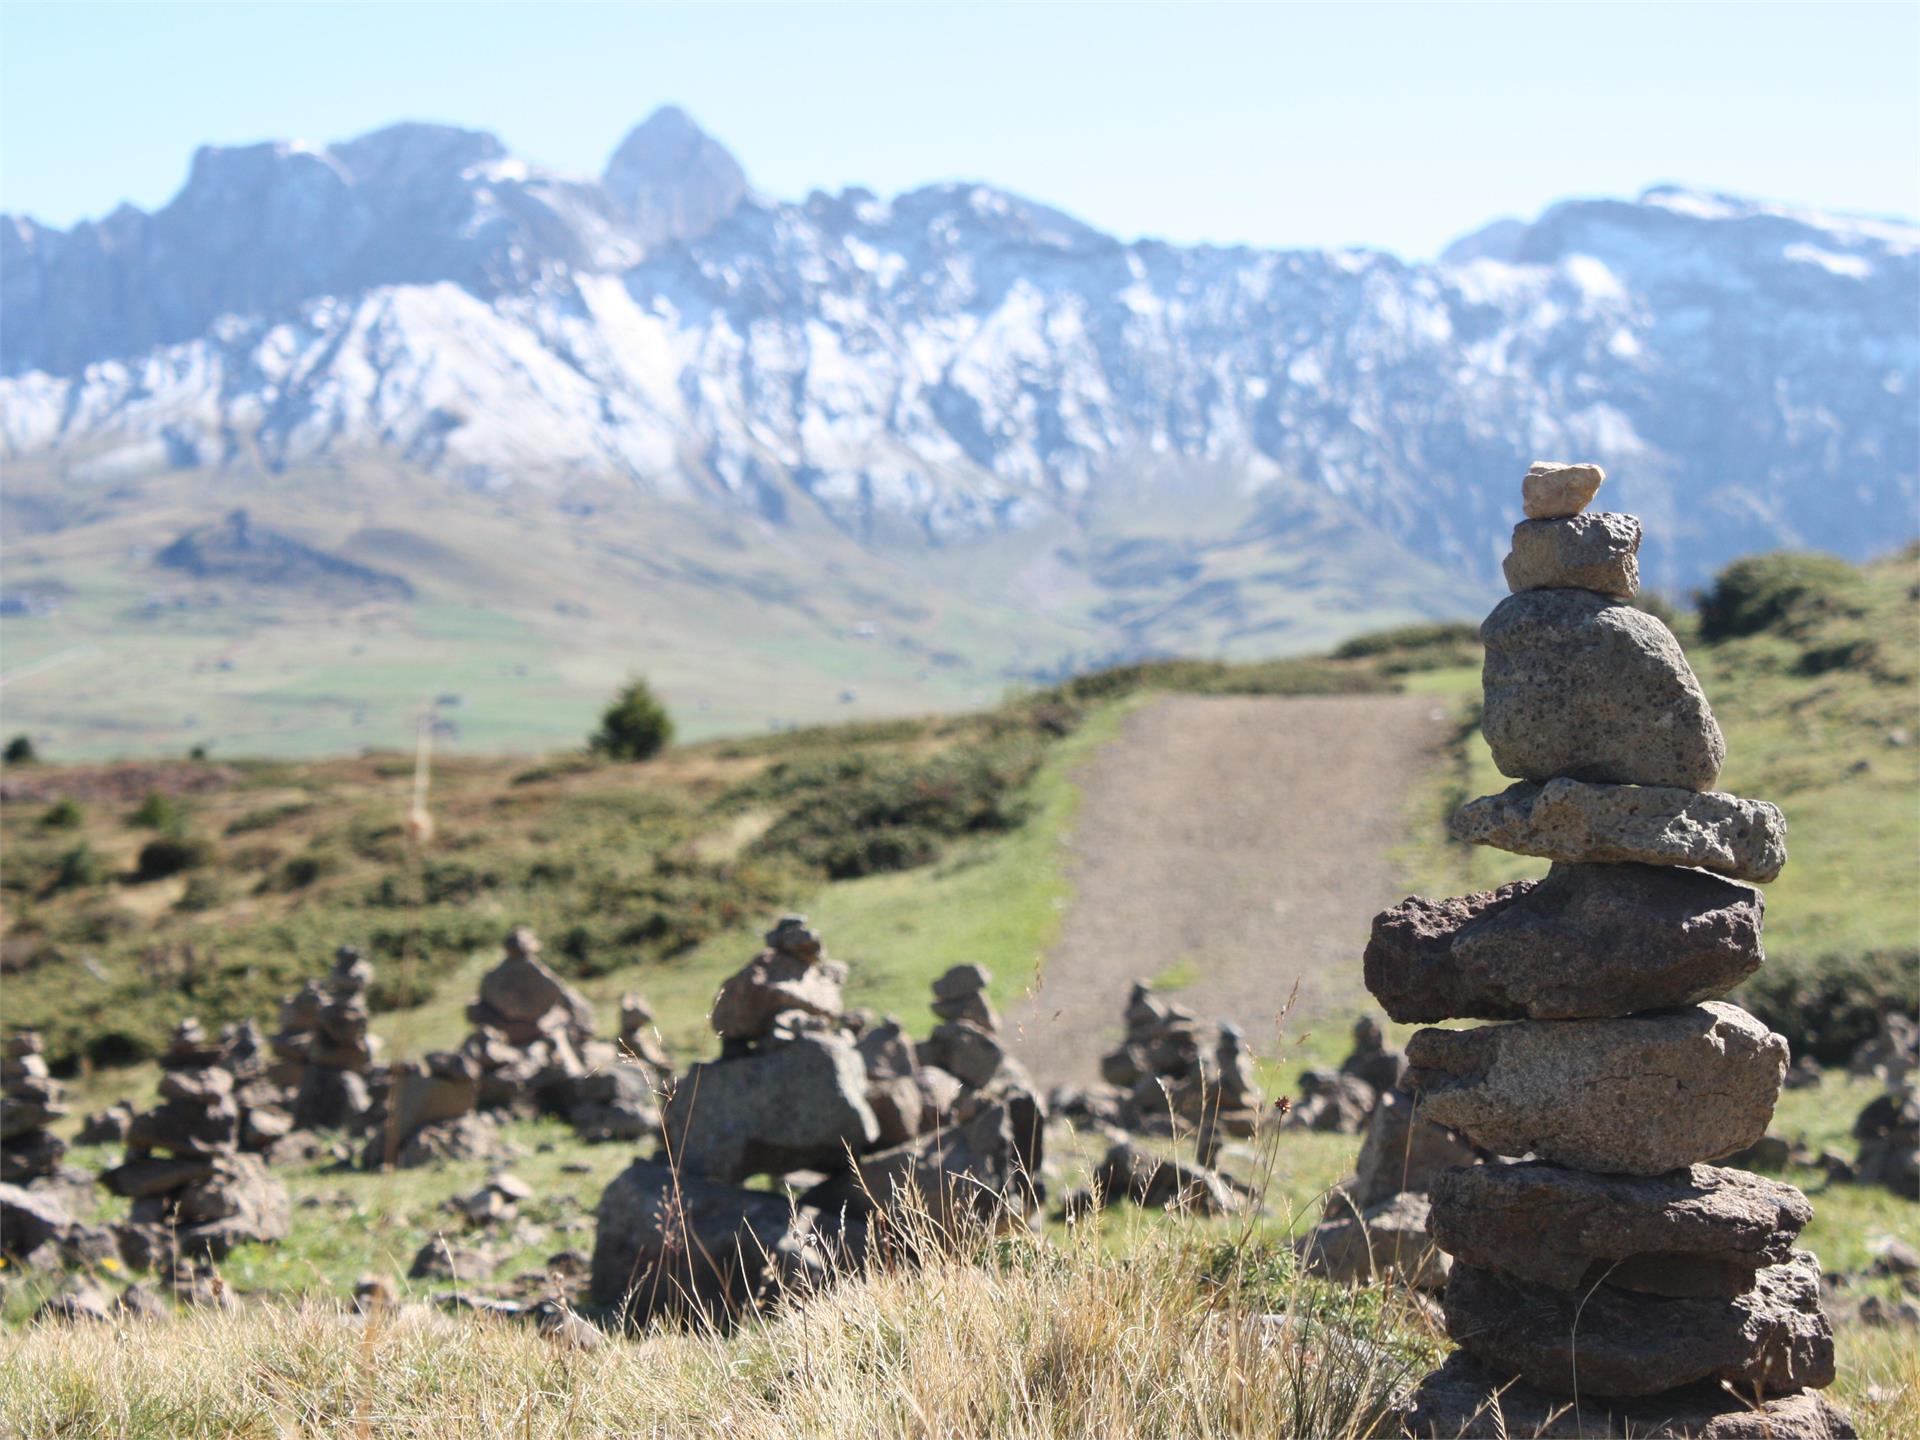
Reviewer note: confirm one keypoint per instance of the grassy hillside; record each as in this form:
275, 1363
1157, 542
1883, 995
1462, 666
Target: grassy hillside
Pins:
660, 876
526, 607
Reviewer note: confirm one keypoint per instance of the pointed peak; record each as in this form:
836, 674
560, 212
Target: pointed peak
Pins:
675, 181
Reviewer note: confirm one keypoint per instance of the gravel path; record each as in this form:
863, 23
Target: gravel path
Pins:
1236, 845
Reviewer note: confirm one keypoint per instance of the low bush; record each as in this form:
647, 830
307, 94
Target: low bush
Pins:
76, 868
269, 817
1783, 591
858, 815
63, 814
169, 855
156, 812
1826, 1005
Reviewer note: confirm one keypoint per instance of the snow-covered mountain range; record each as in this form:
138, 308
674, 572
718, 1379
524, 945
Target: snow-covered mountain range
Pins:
957, 362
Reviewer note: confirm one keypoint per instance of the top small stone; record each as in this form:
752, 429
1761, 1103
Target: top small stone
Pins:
1554, 489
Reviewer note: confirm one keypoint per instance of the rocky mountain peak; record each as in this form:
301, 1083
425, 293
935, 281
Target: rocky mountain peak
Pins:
672, 180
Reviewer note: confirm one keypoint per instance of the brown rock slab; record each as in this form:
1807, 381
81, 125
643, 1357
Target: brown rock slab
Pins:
1638, 1096
1553, 488
1581, 687
1587, 942
1603, 1341
1571, 821
1466, 1400
1580, 552
1700, 1232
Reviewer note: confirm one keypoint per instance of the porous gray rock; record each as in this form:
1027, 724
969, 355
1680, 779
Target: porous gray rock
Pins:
1466, 1400
28, 1220
1588, 941
1403, 1152
1554, 488
979, 1171
667, 1242
800, 1105
1640, 1095
1569, 820
1606, 1341
1386, 1240
1581, 552
1581, 687
1698, 1232
1131, 1172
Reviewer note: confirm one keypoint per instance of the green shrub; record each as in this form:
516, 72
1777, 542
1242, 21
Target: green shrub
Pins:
203, 892
156, 812
635, 726
1826, 1005
269, 817
20, 751
1445, 635
76, 869
63, 814
169, 855
858, 815
1784, 591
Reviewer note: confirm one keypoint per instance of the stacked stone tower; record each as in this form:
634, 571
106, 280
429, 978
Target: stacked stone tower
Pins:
29, 1103
1615, 1281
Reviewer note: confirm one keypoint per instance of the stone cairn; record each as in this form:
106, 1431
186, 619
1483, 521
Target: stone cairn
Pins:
1615, 1281
323, 1052
29, 1103
1172, 1074
855, 1119
195, 1194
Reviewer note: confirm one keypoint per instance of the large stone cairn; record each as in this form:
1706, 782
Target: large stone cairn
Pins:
29, 1103
323, 1051
1615, 1275
194, 1192
857, 1120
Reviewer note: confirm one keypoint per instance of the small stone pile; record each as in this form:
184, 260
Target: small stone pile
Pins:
1892, 1054
430, 1115
1888, 1129
529, 1027
1340, 1101
1614, 1276
323, 1051
1174, 1073
1374, 1225
29, 1103
853, 1115
195, 1194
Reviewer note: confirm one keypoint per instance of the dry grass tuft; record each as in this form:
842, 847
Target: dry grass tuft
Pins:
1025, 1340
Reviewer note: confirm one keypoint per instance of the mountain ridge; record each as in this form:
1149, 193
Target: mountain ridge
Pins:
1154, 447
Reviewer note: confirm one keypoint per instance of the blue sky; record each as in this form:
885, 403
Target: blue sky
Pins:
1394, 126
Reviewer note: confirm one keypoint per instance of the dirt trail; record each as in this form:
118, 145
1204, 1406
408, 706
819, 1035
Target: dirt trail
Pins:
1240, 844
